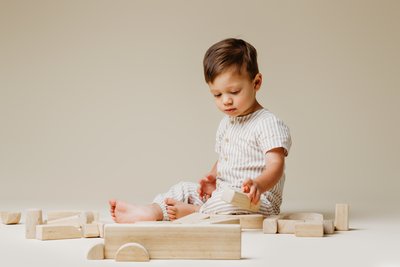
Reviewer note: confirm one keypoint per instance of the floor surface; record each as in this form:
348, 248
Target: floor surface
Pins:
374, 240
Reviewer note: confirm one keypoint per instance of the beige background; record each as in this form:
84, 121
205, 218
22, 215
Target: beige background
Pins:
103, 99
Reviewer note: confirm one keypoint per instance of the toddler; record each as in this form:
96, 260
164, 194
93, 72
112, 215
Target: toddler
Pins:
251, 142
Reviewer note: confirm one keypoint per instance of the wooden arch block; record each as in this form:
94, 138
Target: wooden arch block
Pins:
96, 252
132, 252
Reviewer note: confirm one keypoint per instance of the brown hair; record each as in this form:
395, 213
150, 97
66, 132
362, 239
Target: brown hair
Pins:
229, 53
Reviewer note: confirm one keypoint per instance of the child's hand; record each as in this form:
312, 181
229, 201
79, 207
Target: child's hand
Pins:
250, 187
207, 186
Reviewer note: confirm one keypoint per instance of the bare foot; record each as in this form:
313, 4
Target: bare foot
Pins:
177, 209
122, 212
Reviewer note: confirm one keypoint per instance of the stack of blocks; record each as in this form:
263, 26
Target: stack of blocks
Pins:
62, 225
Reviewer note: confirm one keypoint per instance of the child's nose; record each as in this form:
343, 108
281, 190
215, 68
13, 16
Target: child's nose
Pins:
227, 100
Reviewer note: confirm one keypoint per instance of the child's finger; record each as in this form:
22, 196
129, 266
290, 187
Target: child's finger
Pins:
252, 193
256, 197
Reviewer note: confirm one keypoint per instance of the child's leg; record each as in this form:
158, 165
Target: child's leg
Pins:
180, 200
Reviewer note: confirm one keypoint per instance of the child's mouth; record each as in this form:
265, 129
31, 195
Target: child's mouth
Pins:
230, 110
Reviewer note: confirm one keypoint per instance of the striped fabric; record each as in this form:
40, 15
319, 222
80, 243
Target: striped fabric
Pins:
241, 143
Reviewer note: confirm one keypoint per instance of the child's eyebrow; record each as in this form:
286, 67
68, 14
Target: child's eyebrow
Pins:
229, 87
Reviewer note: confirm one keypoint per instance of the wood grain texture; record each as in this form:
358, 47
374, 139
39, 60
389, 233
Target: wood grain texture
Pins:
287, 226
74, 220
96, 252
305, 216
342, 217
270, 224
90, 230
309, 229
33, 218
55, 232
239, 199
195, 217
176, 241
59, 214
8, 217
247, 221
329, 227
132, 252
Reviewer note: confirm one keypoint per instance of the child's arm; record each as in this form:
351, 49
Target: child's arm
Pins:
268, 178
208, 183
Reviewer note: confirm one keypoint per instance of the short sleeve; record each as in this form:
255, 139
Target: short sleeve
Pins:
273, 133
219, 135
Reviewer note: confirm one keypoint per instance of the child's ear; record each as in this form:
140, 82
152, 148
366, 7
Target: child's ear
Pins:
257, 81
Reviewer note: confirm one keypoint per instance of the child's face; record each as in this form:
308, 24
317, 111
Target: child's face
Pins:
235, 94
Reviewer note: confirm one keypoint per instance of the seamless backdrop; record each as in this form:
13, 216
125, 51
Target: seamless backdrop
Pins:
103, 99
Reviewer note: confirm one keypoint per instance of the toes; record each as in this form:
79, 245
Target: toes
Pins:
172, 217
112, 203
170, 201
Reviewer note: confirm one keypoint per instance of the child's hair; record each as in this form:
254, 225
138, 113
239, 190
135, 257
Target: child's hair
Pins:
229, 53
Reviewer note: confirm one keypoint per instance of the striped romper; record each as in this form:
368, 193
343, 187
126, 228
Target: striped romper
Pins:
241, 143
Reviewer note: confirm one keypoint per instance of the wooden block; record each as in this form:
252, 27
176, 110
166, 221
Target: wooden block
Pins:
251, 221
86, 217
270, 224
287, 226
55, 232
342, 217
239, 199
10, 217
176, 241
305, 216
309, 229
247, 221
74, 220
90, 230
195, 217
96, 252
329, 227
59, 214
33, 218
96, 216
223, 221
132, 252
100, 225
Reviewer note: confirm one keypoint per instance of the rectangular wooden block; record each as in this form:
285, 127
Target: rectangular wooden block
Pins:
247, 221
90, 230
54, 232
74, 220
239, 199
309, 229
59, 214
270, 224
195, 217
342, 217
101, 229
176, 241
223, 221
10, 217
33, 218
329, 227
287, 226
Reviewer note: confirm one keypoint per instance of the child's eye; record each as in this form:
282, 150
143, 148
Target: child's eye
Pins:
235, 92
217, 95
